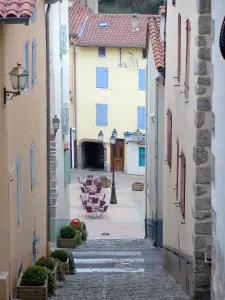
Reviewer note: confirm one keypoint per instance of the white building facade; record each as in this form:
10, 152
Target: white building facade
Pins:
59, 89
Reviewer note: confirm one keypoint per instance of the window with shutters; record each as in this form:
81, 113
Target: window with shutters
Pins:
169, 138
26, 65
102, 52
34, 63
142, 79
141, 117
179, 48
34, 16
182, 184
19, 189
187, 67
177, 175
32, 166
101, 115
101, 78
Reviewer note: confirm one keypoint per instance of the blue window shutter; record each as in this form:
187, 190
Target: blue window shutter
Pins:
19, 189
34, 16
101, 78
142, 79
32, 166
141, 117
67, 169
26, 53
101, 114
141, 156
34, 59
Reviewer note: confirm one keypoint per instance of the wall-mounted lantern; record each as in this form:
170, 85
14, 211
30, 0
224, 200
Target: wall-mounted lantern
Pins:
100, 136
138, 136
55, 122
126, 137
19, 77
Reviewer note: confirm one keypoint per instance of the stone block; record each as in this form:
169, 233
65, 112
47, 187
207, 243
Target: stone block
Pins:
198, 241
200, 155
203, 204
204, 80
200, 190
201, 267
199, 119
200, 41
204, 6
199, 90
200, 215
204, 53
200, 254
203, 138
53, 166
204, 24
213, 125
200, 68
204, 103
202, 280
203, 228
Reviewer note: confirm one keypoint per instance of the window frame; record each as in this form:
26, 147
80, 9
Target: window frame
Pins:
99, 52
182, 184
188, 54
169, 137
101, 123
100, 86
144, 53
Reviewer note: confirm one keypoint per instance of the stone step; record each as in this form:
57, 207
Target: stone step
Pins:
110, 270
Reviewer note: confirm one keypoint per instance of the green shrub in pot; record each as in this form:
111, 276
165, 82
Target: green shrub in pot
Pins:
60, 254
51, 283
67, 232
34, 276
47, 262
103, 178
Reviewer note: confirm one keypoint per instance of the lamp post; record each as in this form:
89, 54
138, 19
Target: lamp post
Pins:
113, 199
55, 122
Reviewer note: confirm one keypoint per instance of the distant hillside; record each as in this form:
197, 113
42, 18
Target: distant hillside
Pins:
130, 6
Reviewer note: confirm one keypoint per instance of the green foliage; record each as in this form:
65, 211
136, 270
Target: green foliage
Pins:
103, 177
51, 283
60, 274
47, 262
148, 7
83, 225
72, 266
60, 254
34, 276
67, 232
84, 235
78, 238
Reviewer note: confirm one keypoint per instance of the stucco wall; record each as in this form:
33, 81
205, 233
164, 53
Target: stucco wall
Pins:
132, 159
26, 124
122, 95
71, 86
218, 149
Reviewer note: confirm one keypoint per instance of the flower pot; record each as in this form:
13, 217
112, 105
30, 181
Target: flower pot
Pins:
106, 183
138, 186
32, 292
65, 267
67, 243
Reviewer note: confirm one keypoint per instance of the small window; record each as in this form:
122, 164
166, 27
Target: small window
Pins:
169, 138
187, 68
182, 184
177, 179
144, 53
101, 52
174, 2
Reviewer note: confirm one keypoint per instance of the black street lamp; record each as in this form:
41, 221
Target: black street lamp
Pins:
113, 199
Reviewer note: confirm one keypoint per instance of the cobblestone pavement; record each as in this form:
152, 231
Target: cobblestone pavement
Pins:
119, 270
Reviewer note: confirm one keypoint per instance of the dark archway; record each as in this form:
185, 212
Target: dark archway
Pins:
93, 155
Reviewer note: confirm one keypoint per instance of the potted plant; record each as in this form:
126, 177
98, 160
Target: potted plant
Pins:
105, 181
66, 259
81, 231
84, 232
137, 186
67, 237
49, 263
33, 284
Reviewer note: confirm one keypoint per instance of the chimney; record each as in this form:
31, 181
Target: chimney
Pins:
135, 22
93, 6
82, 3
162, 13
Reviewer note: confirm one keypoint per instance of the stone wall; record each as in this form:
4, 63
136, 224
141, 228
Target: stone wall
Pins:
53, 177
201, 209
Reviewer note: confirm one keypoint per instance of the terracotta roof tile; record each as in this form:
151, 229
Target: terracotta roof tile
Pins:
77, 15
153, 33
16, 8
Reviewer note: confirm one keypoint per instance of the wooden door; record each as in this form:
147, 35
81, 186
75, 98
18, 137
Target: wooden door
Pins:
119, 157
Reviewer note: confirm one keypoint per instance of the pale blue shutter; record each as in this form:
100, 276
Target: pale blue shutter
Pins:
19, 189
141, 117
101, 114
105, 114
67, 169
32, 166
26, 54
98, 115
34, 63
34, 16
142, 79
101, 78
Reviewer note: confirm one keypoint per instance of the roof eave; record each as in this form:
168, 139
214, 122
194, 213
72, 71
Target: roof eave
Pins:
109, 46
15, 20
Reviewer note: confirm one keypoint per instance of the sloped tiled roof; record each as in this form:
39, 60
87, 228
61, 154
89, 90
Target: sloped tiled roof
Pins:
77, 15
117, 33
153, 33
16, 8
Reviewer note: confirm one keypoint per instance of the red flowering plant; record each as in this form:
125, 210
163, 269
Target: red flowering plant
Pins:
76, 223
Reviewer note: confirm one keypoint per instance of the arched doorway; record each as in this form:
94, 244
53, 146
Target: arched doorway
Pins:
93, 155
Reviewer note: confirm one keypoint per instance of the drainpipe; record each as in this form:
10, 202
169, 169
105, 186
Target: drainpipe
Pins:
156, 160
146, 157
48, 125
75, 105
